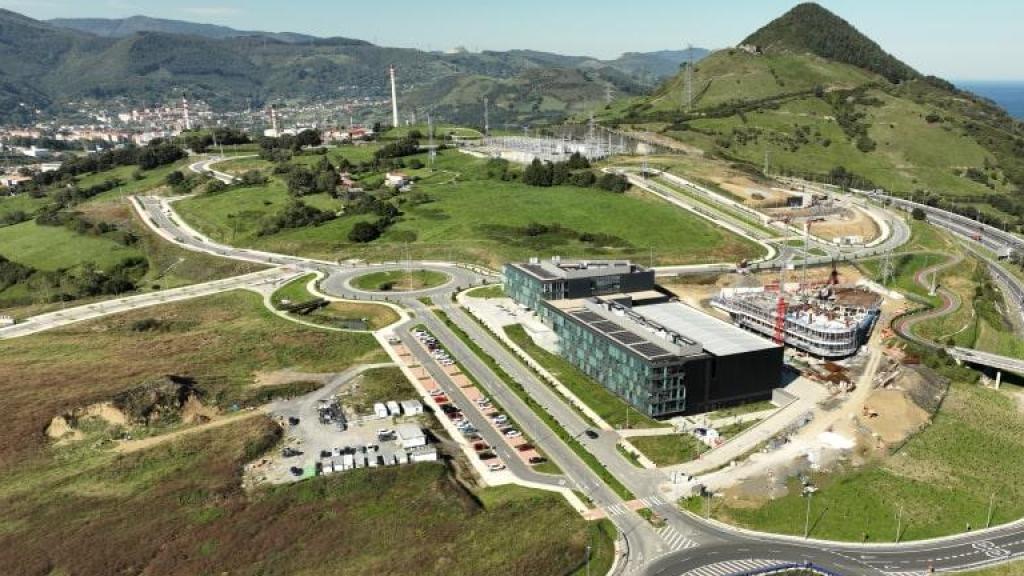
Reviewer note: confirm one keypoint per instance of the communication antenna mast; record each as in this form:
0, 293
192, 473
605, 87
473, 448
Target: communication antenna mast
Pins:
609, 94
184, 106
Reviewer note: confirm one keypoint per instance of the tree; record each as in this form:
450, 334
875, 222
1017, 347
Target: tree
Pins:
613, 183
175, 178
577, 162
364, 232
301, 182
918, 214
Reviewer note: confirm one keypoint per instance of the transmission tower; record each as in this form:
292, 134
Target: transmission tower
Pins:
487, 123
430, 134
609, 94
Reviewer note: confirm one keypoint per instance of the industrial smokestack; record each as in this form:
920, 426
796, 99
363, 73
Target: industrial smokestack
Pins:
184, 104
273, 120
394, 98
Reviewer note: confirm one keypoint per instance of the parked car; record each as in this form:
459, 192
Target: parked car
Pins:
537, 459
293, 420
296, 471
524, 447
500, 419
513, 433
496, 467
290, 452
590, 433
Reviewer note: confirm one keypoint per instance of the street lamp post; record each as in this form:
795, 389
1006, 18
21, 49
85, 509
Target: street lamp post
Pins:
991, 507
807, 517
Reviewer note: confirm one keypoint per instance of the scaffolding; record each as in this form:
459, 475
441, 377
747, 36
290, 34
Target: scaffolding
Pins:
815, 322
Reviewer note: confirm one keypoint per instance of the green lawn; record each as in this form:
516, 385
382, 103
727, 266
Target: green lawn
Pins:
942, 478
476, 219
400, 280
20, 202
669, 449
607, 405
494, 291
348, 315
53, 247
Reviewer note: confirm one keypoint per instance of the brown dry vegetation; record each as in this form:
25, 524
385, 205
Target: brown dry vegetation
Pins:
179, 509
219, 341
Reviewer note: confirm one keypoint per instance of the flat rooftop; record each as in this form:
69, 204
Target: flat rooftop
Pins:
616, 322
565, 269
716, 336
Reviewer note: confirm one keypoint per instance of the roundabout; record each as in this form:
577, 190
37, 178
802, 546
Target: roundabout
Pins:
399, 281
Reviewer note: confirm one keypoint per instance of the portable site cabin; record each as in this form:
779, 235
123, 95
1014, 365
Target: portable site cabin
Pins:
380, 410
326, 467
423, 454
411, 407
348, 462
393, 408
371, 457
410, 435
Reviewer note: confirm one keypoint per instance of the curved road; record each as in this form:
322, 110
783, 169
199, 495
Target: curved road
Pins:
904, 325
688, 545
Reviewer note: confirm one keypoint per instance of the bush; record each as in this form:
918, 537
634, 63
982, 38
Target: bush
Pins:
918, 214
145, 325
364, 232
613, 183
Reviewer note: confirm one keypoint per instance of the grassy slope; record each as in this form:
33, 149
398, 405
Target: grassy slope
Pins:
670, 449
178, 509
464, 220
401, 280
911, 153
53, 247
941, 477
220, 341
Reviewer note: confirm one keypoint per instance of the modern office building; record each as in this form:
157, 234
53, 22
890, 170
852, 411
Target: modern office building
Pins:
531, 283
661, 356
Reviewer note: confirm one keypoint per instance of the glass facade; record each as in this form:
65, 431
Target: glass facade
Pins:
655, 388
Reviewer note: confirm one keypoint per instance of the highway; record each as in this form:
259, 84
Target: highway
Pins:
689, 545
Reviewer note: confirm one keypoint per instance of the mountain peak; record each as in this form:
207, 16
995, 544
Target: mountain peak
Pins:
809, 27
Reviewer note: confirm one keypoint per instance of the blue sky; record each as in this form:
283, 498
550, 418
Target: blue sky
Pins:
955, 40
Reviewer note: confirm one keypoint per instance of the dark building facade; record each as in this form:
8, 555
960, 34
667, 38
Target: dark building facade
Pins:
663, 357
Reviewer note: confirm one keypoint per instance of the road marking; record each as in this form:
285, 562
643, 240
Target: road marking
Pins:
732, 568
651, 501
674, 539
616, 510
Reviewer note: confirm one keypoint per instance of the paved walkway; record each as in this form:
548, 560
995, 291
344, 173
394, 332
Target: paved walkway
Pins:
808, 394
255, 281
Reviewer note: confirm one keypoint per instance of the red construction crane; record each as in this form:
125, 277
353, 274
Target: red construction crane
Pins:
780, 321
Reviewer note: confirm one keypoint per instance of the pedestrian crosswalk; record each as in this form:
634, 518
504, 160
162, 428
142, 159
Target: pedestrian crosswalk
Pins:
675, 540
616, 510
651, 501
733, 568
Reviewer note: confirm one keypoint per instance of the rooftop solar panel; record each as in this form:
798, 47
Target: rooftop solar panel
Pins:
588, 317
539, 271
650, 350
627, 337
606, 326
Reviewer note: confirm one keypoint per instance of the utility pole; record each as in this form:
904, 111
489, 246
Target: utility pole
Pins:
899, 524
991, 507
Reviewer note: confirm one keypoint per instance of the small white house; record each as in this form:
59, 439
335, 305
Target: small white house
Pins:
396, 179
348, 462
393, 408
411, 435
380, 410
411, 407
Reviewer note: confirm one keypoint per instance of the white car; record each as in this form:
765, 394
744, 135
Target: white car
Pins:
500, 419
496, 467
513, 433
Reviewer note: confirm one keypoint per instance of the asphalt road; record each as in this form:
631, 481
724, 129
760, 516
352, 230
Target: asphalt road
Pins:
689, 543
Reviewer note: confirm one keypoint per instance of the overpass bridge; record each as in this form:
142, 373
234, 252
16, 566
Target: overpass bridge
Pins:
987, 359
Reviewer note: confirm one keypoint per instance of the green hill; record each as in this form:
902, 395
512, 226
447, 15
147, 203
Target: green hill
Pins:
823, 101
141, 61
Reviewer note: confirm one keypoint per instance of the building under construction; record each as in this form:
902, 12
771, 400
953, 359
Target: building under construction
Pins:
828, 320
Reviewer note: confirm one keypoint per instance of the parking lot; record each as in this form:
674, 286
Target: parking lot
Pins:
475, 411
321, 435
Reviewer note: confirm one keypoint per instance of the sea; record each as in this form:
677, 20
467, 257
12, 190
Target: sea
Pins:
1008, 94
